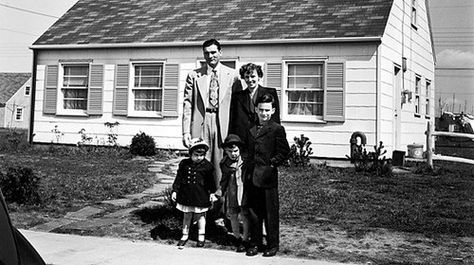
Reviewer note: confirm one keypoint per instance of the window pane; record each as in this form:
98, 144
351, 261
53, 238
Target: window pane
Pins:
304, 82
305, 102
307, 80
70, 81
148, 70
76, 70
148, 82
75, 93
75, 104
148, 75
305, 69
77, 78
148, 100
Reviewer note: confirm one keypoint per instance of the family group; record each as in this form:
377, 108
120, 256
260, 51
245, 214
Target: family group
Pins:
236, 144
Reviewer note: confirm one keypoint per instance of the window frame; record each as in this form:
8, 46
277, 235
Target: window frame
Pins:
284, 89
417, 102
21, 109
27, 90
414, 14
131, 87
428, 99
60, 96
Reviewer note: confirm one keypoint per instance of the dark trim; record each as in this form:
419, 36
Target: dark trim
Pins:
33, 97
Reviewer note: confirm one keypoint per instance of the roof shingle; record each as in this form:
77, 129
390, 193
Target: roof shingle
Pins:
147, 21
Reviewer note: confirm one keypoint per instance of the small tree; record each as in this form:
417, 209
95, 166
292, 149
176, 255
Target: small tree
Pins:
375, 162
300, 151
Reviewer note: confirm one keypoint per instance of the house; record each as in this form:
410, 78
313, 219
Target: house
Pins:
339, 67
15, 89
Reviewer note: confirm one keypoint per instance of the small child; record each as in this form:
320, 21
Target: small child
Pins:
192, 190
232, 186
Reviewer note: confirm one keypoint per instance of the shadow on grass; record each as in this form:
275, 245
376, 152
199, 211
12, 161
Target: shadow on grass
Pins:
167, 222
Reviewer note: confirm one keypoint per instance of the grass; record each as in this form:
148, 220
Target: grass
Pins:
71, 178
421, 217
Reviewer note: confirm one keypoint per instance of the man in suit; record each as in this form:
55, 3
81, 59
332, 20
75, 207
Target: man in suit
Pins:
206, 104
267, 149
242, 110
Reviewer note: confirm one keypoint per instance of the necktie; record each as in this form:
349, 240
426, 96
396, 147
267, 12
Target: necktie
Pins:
213, 89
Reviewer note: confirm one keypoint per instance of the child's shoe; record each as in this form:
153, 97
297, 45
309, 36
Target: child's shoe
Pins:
200, 244
181, 243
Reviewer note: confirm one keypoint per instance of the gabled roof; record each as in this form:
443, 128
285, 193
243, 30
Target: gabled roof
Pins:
168, 21
10, 83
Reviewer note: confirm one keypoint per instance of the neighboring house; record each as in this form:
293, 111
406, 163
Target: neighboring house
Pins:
339, 67
15, 100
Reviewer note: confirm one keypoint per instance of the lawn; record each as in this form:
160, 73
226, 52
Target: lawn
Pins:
337, 214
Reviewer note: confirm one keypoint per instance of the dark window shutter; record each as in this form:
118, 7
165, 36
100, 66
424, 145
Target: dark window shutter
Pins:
334, 94
96, 86
121, 90
170, 95
273, 77
50, 90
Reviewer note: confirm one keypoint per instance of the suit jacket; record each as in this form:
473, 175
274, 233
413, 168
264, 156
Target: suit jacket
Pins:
267, 149
196, 99
243, 116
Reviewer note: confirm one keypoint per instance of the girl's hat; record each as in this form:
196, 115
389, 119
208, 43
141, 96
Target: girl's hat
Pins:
198, 143
232, 139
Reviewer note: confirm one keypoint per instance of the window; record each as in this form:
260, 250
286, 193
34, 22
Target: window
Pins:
147, 89
19, 114
312, 90
417, 94
75, 85
428, 94
414, 17
27, 90
304, 88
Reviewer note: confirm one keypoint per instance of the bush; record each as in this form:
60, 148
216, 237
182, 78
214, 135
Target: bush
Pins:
143, 145
13, 140
374, 162
300, 152
20, 185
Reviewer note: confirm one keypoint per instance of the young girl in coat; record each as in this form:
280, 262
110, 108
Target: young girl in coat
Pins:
192, 190
232, 187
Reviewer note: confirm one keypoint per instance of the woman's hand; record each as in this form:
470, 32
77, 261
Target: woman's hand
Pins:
173, 196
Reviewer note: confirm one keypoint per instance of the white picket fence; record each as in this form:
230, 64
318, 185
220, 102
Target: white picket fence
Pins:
429, 146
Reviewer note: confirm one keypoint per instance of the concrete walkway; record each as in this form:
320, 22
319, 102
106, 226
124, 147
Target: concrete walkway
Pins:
64, 249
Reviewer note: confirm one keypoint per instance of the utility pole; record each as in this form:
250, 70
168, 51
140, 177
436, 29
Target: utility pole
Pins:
454, 98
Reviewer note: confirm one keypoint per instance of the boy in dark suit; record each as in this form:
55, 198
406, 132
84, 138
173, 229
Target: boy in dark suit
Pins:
267, 149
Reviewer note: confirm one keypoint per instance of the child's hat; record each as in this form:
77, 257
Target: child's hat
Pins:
232, 139
198, 143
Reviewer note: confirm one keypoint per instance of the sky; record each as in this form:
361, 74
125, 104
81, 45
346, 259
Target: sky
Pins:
23, 21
